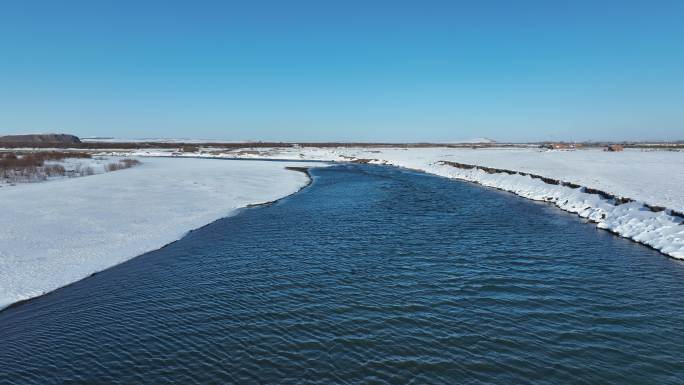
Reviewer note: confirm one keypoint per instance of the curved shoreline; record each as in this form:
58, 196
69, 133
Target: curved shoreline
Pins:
607, 211
655, 227
234, 212
618, 200
604, 213
304, 170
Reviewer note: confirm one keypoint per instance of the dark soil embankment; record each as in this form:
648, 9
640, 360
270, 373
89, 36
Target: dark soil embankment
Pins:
58, 139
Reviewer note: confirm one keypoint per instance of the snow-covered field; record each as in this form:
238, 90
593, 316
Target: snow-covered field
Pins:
648, 177
651, 176
58, 232
70, 168
55, 233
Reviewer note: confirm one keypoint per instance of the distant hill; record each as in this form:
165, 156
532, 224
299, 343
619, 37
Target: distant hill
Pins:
40, 138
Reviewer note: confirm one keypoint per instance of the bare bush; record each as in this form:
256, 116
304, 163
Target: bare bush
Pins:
30, 166
129, 162
85, 171
54, 170
113, 166
37, 159
190, 148
121, 164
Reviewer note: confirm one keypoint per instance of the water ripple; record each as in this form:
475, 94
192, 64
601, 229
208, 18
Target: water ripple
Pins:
372, 275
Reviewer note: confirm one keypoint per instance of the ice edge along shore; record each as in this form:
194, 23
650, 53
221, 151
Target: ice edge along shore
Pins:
59, 232
657, 227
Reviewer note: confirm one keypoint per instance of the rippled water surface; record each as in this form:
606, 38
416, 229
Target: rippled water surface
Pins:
371, 275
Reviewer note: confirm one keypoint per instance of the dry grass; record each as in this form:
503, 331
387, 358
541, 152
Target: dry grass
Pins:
31, 167
13, 160
122, 164
54, 170
190, 148
130, 162
85, 171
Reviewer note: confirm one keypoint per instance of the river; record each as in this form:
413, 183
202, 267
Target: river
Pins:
370, 275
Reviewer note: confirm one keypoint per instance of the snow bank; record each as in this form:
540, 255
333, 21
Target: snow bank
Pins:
649, 178
654, 177
58, 232
631, 220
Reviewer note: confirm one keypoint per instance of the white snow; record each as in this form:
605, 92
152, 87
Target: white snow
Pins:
58, 232
654, 177
73, 168
649, 177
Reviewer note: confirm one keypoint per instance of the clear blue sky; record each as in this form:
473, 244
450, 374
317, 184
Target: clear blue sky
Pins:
346, 70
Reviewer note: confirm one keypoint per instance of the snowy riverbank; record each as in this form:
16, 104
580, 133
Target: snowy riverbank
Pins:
582, 182
58, 232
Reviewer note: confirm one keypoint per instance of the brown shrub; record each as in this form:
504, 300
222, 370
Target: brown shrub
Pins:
121, 164
190, 148
54, 170
113, 166
31, 166
36, 159
85, 171
129, 162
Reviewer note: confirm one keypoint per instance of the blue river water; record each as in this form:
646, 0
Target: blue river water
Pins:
371, 275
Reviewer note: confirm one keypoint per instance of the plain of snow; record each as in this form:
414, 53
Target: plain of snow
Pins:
655, 177
58, 232
651, 177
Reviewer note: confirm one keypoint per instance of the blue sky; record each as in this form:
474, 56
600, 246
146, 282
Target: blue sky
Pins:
347, 70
